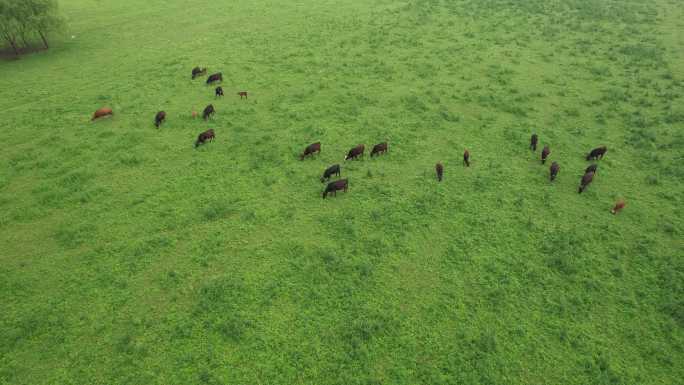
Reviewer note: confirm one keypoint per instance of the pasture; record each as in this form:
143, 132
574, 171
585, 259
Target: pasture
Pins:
127, 256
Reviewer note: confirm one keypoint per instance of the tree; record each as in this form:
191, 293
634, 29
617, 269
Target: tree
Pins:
25, 19
42, 16
9, 26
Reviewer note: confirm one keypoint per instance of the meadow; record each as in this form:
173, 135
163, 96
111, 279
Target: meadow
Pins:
129, 257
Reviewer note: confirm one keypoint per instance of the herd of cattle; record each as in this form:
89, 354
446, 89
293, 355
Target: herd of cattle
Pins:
358, 151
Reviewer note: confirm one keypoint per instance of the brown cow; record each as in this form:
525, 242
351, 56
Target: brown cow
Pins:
466, 158
203, 137
597, 153
208, 111
533, 142
586, 179
194, 114
440, 171
159, 118
330, 171
215, 78
310, 150
104, 111
243, 93
355, 152
545, 154
554, 170
334, 187
618, 206
379, 149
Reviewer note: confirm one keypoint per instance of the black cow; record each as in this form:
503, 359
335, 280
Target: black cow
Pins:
591, 168
597, 153
554, 170
586, 179
440, 171
219, 91
330, 171
355, 152
378, 149
533, 142
217, 77
545, 154
310, 150
198, 72
203, 137
334, 187
159, 118
208, 111
466, 158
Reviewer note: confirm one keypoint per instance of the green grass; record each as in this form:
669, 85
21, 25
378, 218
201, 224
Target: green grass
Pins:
128, 257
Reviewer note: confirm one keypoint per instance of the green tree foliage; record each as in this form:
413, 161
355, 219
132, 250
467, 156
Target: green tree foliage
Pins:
26, 20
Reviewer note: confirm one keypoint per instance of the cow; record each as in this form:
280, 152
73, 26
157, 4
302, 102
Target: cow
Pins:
591, 168
330, 171
379, 149
554, 170
310, 150
440, 171
208, 111
355, 152
219, 91
597, 153
242, 93
545, 154
334, 187
159, 118
466, 158
586, 179
618, 206
104, 111
215, 78
203, 137
198, 72
533, 142
194, 114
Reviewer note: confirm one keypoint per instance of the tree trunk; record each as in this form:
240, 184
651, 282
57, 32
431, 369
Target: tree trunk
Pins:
42, 36
12, 40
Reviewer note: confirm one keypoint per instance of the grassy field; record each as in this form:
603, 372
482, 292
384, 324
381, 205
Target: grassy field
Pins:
128, 257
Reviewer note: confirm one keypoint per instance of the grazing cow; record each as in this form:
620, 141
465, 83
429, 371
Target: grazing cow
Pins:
104, 111
208, 111
198, 72
591, 168
533, 142
554, 170
243, 93
215, 78
545, 154
618, 206
355, 152
159, 118
466, 158
334, 187
379, 149
330, 171
597, 153
203, 137
440, 171
586, 179
219, 91
310, 150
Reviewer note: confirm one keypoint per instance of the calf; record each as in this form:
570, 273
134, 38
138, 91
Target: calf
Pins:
379, 149
219, 91
533, 142
217, 77
554, 170
159, 118
104, 111
618, 206
466, 158
597, 153
310, 150
545, 154
208, 111
334, 187
355, 152
586, 179
203, 137
440, 171
591, 168
330, 171
243, 93
198, 72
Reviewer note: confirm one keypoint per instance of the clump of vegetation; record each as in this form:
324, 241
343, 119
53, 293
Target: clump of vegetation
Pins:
23, 21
